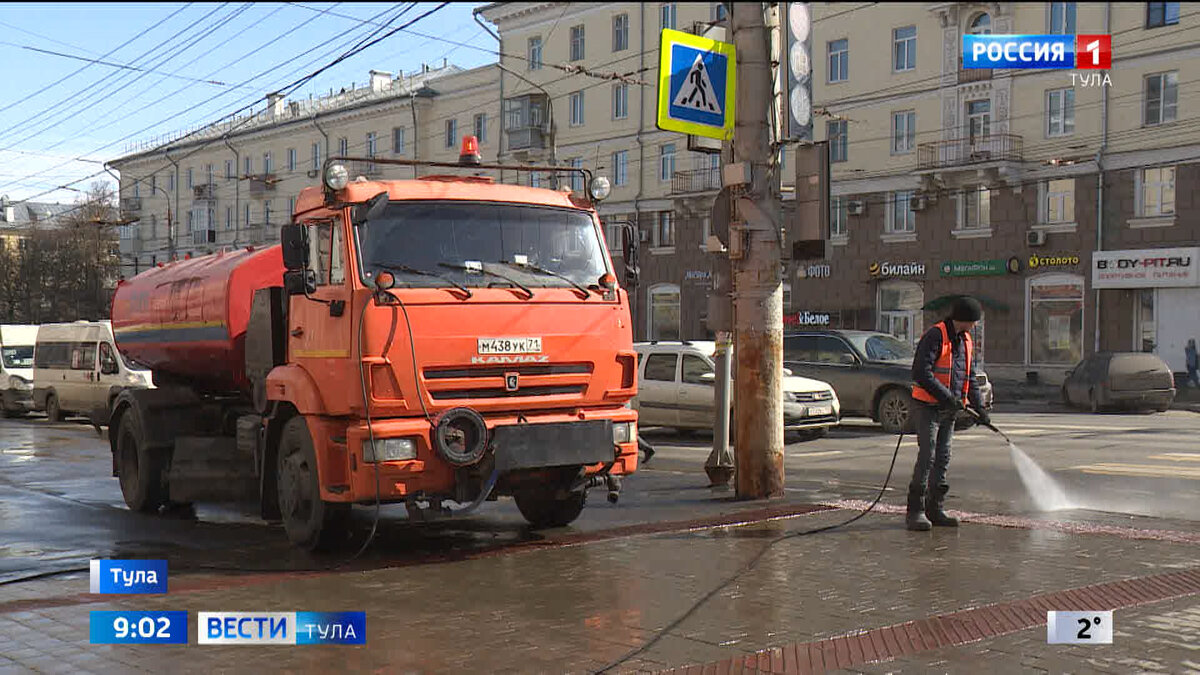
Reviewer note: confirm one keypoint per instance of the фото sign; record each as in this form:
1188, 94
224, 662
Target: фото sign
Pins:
818, 271
974, 268
1146, 268
902, 269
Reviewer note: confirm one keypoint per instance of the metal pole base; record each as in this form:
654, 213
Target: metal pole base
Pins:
719, 476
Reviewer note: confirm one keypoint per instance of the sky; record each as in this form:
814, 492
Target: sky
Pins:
173, 66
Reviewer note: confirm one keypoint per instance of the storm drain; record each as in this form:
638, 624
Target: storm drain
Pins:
948, 630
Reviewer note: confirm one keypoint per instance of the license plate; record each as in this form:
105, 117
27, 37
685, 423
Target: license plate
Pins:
818, 410
510, 345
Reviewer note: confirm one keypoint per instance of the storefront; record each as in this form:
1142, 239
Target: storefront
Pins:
900, 297
1153, 296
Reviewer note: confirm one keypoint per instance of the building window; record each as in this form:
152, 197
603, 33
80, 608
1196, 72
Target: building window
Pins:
343, 147
170, 182
451, 132
976, 208
291, 159
267, 212
666, 162
719, 12
228, 218
835, 131
664, 313
268, 165
209, 174
190, 182
1160, 14
137, 189
1156, 191
534, 51
577, 108
398, 140
901, 217
620, 95
577, 43
620, 25
372, 145
1062, 18
1060, 112
153, 226
1059, 204
576, 177
613, 226
1055, 306
837, 217
229, 169
904, 132
291, 207
248, 165
481, 127
191, 218
316, 156
1162, 96
900, 313
979, 120
620, 160
153, 184
666, 16
981, 25
839, 60
246, 215
664, 230
904, 48
1145, 328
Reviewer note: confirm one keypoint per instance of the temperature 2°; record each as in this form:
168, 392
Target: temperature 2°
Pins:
1079, 628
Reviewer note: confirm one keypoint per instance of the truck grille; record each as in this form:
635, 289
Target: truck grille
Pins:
480, 383
812, 396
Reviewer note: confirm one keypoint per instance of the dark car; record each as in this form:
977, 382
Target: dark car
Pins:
871, 373
1107, 380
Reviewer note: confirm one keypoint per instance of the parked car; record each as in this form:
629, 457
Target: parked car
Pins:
77, 369
871, 373
1120, 380
676, 389
16, 369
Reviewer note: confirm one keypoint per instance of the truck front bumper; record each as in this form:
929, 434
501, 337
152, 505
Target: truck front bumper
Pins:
429, 473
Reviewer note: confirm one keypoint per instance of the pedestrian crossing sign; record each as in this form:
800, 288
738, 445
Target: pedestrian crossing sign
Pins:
697, 78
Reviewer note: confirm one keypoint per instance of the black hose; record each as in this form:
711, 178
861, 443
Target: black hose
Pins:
750, 565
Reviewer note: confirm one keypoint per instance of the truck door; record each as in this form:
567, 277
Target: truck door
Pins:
320, 335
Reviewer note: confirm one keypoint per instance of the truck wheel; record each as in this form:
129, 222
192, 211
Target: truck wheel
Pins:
895, 412
542, 509
54, 412
138, 469
310, 523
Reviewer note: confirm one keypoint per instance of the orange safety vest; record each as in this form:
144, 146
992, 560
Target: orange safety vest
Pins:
941, 369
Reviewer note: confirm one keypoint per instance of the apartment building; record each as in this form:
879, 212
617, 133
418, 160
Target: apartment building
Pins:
235, 183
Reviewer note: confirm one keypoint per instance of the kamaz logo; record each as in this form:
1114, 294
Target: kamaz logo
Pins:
1129, 263
530, 358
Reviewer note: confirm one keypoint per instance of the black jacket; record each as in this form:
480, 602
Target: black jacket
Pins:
928, 351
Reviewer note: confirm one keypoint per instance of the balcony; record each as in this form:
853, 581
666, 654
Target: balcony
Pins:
697, 181
131, 204
205, 192
968, 152
365, 169
967, 75
203, 237
526, 138
262, 183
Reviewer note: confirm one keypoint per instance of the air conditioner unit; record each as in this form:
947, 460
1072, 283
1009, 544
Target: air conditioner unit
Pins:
856, 207
1035, 238
918, 203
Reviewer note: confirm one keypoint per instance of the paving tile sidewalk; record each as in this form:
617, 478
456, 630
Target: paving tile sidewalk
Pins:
581, 607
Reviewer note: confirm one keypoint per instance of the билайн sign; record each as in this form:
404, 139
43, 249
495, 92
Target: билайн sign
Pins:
891, 269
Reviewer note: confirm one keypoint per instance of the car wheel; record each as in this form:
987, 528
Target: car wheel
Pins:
139, 469
53, 411
895, 412
542, 508
310, 523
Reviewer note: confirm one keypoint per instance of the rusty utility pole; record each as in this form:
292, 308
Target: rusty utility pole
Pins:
755, 249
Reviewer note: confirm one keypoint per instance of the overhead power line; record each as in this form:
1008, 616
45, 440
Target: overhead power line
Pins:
112, 64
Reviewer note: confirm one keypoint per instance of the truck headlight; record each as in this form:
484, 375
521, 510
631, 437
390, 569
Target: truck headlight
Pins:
336, 176
624, 432
19, 383
390, 449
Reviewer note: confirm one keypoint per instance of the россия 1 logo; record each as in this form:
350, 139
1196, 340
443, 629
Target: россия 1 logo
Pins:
1070, 52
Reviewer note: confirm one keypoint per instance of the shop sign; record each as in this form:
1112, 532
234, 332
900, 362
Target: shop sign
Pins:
900, 269
812, 271
697, 275
1062, 260
1146, 268
974, 268
806, 319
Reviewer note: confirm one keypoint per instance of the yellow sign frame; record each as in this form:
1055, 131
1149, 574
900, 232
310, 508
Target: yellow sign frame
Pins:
670, 38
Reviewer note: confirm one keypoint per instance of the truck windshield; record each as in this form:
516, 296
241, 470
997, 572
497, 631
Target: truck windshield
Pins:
17, 357
467, 241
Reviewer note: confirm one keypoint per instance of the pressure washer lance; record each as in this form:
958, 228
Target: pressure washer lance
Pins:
990, 426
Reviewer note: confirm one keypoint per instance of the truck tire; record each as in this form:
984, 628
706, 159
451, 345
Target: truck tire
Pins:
310, 523
138, 469
53, 411
543, 509
895, 411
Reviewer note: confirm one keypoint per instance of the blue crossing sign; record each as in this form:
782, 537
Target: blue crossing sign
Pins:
697, 78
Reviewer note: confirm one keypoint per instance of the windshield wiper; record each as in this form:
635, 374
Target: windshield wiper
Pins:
412, 270
481, 270
542, 270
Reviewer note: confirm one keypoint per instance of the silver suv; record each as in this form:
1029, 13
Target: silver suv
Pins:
676, 389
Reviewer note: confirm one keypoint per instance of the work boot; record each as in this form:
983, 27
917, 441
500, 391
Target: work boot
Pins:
933, 507
916, 520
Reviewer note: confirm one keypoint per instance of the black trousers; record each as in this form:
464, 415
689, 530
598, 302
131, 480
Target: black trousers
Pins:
934, 436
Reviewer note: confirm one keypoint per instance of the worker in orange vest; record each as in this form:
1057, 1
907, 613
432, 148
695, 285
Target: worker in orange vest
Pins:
943, 385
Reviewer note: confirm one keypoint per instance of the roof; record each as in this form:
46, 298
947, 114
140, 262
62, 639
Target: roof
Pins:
28, 214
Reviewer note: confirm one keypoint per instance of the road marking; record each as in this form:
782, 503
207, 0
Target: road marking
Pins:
1178, 456
1147, 470
825, 453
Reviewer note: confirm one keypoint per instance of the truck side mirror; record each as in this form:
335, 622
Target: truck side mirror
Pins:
294, 239
300, 282
629, 247
370, 209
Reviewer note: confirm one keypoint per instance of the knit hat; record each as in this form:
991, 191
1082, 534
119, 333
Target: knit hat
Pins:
966, 308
